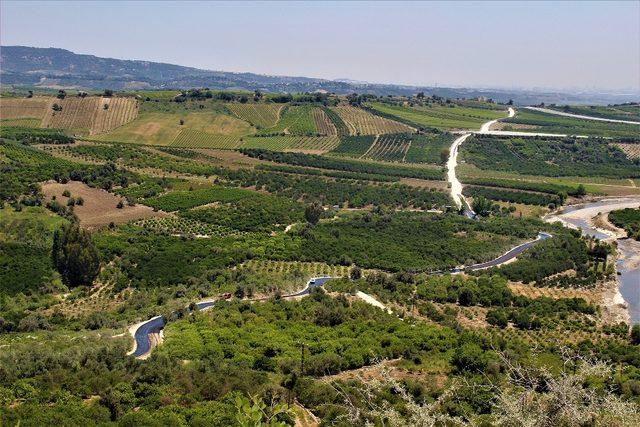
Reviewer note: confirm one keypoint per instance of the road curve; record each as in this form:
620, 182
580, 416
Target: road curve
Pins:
452, 162
142, 332
509, 255
580, 116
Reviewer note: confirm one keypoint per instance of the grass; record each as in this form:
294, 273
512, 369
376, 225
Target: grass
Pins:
164, 128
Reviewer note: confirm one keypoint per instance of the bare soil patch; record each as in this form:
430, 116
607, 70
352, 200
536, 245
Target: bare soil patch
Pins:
99, 207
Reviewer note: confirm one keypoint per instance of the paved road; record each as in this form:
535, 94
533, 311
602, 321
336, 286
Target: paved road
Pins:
580, 116
508, 256
142, 334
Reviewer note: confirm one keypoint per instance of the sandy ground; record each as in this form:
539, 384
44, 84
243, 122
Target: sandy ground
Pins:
99, 208
371, 300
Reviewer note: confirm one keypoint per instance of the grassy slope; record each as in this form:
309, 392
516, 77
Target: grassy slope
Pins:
162, 128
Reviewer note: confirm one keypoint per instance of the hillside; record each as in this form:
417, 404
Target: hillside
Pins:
54, 68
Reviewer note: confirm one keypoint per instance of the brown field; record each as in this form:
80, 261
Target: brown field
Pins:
99, 208
323, 123
24, 108
119, 112
361, 122
592, 296
77, 114
631, 150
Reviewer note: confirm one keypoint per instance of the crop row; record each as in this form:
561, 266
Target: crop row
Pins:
389, 147
189, 138
259, 115
361, 122
280, 143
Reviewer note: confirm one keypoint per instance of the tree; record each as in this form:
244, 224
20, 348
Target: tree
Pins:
420, 95
257, 95
74, 255
61, 94
580, 191
444, 155
108, 93
244, 99
510, 102
635, 335
482, 206
356, 273
313, 212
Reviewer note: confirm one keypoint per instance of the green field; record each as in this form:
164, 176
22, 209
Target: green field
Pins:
181, 200
354, 146
281, 143
453, 117
189, 138
616, 112
294, 120
550, 123
164, 128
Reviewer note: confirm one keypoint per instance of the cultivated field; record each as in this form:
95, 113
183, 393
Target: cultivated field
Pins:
190, 138
24, 108
319, 144
294, 120
76, 114
164, 128
323, 123
391, 148
258, 115
99, 207
118, 112
631, 150
361, 122
441, 117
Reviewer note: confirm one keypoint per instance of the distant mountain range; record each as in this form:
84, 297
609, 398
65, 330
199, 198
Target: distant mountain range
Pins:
59, 68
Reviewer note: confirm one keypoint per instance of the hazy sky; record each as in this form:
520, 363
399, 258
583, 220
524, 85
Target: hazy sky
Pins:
530, 44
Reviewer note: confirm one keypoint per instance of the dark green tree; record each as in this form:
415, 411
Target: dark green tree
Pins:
635, 334
313, 212
74, 255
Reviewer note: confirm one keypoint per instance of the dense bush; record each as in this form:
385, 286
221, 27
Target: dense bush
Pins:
627, 219
35, 136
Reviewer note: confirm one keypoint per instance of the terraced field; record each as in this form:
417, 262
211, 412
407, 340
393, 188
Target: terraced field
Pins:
76, 114
454, 117
318, 144
294, 120
361, 122
258, 115
119, 111
392, 148
189, 138
24, 108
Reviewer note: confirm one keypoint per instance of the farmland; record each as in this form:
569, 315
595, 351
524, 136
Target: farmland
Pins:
294, 120
220, 208
439, 117
24, 108
190, 138
76, 114
549, 156
549, 123
354, 146
361, 122
112, 113
392, 148
315, 144
164, 128
632, 150
629, 112
258, 115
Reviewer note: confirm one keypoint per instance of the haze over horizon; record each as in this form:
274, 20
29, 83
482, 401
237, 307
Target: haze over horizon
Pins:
492, 44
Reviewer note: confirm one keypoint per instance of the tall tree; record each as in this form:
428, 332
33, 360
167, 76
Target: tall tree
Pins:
74, 255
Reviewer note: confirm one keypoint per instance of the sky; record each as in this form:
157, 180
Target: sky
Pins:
561, 45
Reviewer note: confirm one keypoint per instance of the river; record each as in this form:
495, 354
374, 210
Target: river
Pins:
628, 261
